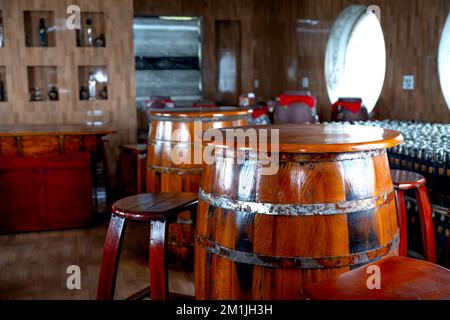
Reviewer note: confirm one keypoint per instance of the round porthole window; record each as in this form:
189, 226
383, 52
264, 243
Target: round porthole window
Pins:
444, 62
355, 57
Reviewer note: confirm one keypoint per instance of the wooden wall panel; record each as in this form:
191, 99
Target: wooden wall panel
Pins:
118, 112
278, 49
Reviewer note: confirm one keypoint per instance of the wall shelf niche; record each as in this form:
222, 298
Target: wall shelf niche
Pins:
92, 83
92, 32
39, 28
42, 83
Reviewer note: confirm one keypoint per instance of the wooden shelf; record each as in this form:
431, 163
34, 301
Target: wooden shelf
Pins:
33, 21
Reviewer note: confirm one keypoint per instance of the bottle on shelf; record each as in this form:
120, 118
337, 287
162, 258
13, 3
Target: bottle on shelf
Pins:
53, 93
2, 91
100, 41
92, 86
1, 32
104, 93
36, 95
89, 37
84, 93
42, 33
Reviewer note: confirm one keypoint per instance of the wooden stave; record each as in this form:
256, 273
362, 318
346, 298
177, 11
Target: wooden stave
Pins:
266, 283
168, 177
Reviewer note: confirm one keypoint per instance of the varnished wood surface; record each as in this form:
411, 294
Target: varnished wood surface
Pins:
34, 264
320, 138
246, 253
161, 204
401, 279
176, 128
406, 180
200, 112
52, 129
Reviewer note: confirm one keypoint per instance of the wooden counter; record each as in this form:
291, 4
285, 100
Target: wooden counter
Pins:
49, 139
46, 175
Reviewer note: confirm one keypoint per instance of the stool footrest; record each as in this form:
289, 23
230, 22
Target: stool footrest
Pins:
145, 293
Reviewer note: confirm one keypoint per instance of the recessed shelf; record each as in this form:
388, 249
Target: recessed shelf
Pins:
92, 32
42, 83
39, 28
3, 95
92, 83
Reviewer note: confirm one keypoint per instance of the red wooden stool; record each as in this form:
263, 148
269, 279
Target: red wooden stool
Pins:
406, 180
401, 279
160, 209
132, 168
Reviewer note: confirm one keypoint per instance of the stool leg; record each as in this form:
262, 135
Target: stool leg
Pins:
110, 260
159, 284
402, 222
426, 223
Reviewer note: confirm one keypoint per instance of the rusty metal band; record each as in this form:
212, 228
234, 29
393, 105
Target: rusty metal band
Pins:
202, 119
154, 142
286, 262
174, 170
302, 158
344, 207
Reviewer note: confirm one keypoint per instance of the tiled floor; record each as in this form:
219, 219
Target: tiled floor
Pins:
33, 265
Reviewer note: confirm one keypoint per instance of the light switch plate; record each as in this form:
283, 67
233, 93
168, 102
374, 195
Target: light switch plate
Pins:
256, 83
408, 82
305, 82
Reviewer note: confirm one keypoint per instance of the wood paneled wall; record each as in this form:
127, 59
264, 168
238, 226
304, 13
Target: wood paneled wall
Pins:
118, 112
278, 50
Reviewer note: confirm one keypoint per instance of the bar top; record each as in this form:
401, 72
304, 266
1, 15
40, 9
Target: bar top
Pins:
52, 129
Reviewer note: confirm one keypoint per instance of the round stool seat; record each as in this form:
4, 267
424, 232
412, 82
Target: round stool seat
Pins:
152, 206
406, 180
401, 278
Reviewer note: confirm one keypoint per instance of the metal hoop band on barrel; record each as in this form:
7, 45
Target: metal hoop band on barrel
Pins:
297, 209
174, 170
202, 119
251, 258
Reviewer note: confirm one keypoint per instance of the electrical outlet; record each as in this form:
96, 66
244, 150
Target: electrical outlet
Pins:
256, 83
305, 82
408, 82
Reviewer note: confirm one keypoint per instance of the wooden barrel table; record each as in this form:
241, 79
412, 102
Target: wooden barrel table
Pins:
329, 208
172, 129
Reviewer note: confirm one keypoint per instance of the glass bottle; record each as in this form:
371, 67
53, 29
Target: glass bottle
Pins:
92, 87
89, 33
42, 33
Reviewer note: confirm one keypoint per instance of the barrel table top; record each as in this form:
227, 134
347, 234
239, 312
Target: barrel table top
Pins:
320, 138
189, 113
52, 129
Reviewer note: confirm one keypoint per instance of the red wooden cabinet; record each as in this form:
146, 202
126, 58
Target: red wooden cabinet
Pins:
45, 193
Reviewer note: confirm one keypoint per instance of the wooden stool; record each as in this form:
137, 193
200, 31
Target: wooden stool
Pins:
131, 168
401, 279
160, 209
406, 180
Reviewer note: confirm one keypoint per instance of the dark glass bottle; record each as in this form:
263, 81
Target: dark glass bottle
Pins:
53, 93
42, 33
84, 93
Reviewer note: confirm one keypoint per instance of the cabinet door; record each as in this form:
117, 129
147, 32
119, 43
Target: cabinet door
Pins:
69, 192
22, 196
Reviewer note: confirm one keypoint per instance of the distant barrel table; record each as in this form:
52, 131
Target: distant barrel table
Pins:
173, 131
329, 208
